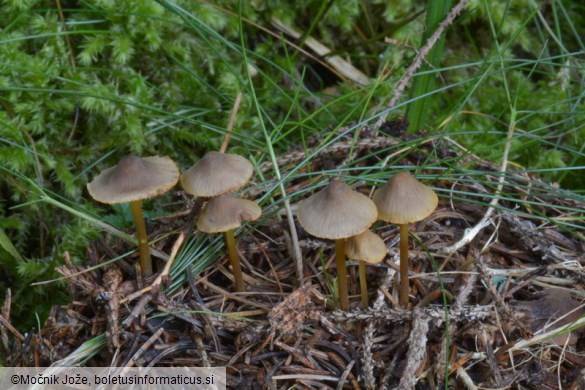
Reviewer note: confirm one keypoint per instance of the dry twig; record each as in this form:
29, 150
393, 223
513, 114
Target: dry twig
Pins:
418, 60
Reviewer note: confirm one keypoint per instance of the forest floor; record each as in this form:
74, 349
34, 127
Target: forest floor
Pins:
483, 315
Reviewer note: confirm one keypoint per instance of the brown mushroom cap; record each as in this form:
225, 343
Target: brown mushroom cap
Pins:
226, 212
336, 212
134, 178
366, 246
405, 200
217, 173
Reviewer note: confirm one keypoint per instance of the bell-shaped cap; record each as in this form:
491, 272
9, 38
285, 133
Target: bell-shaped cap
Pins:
134, 178
405, 200
216, 174
226, 212
366, 246
336, 212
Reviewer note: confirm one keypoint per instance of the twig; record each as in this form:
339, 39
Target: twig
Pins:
367, 360
230, 126
468, 313
306, 377
533, 240
158, 281
344, 375
416, 351
66, 35
418, 59
11, 328
143, 349
460, 301
338, 63
485, 220
466, 379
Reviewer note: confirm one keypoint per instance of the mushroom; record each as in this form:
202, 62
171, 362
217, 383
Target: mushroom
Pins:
404, 200
365, 247
225, 213
132, 180
217, 173
336, 213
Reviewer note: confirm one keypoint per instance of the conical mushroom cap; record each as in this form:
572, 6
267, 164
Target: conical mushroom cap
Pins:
134, 178
226, 212
217, 173
405, 200
366, 246
336, 212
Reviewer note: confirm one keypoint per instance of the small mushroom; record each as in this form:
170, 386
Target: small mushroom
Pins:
336, 213
223, 214
132, 180
216, 174
365, 247
404, 200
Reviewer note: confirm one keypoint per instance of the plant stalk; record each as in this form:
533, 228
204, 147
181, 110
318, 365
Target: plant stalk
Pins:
341, 275
363, 284
143, 249
234, 262
403, 292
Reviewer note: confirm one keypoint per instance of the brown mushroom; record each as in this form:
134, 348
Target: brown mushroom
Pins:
132, 180
404, 200
223, 214
217, 173
336, 213
365, 247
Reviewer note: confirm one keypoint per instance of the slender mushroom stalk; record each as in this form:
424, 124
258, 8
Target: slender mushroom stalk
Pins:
341, 275
225, 213
234, 261
143, 249
130, 181
404, 200
336, 213
403, 291
365, 247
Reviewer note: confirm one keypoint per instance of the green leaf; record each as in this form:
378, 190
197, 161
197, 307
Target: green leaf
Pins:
9, 247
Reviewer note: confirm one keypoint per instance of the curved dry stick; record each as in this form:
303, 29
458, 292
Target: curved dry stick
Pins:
423, 52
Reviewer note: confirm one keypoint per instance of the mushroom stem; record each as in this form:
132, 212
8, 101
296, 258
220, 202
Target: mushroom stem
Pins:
403, 292
234, 262
341, 275
363, 284
143, 249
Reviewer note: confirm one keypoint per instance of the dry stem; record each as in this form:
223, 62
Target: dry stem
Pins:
418, 60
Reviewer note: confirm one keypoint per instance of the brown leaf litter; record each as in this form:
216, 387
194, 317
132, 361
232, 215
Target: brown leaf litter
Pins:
489, 319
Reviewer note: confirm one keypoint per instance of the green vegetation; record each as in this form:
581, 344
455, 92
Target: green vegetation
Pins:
83, 83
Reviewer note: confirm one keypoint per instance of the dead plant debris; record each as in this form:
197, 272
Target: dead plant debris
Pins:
476, 324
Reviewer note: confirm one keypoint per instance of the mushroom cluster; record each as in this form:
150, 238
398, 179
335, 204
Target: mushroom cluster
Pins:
214, 178
344, 215
337, 213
